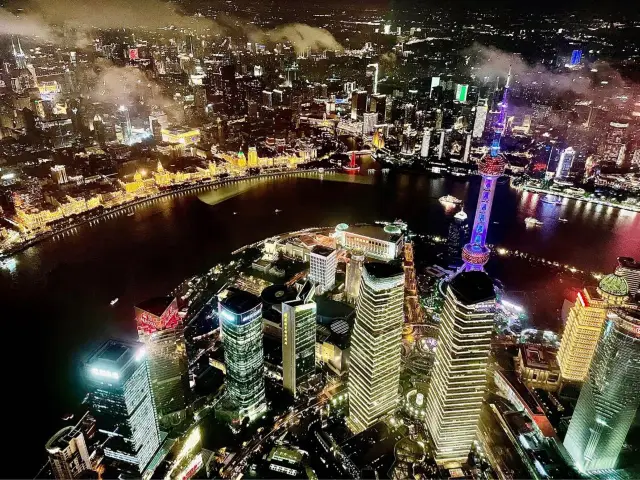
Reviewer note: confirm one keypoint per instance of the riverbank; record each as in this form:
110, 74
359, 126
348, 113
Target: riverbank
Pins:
580, 198
206, 185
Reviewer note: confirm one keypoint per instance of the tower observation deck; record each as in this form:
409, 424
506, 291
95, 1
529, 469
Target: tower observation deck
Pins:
475, 254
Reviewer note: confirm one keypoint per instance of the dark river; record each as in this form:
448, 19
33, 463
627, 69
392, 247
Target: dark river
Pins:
56, 303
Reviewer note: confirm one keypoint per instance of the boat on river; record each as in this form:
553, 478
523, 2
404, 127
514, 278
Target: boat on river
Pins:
532, 222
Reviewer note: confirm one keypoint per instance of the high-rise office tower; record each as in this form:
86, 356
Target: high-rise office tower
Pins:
378, 105
323, 262
585, 323
439, 118
358, 103
241, 323
459, 377
426, 141
441, 145
566, 161
461, 92
610, 397
121, 401
374, 371
369, 122
630, 270
298, 339
467, 149
475, 254
354, 275
267, 98
458, 234
68, 453
481, 118
160, 329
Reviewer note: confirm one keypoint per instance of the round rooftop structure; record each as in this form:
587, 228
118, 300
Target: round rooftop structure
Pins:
392, 229
614, 285
341, 227
492, 166
276, 294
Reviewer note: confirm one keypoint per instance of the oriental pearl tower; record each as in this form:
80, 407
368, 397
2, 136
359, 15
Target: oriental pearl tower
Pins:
475, 254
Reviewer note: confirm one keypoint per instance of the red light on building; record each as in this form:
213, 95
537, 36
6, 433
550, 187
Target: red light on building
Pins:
157, 314
582, 299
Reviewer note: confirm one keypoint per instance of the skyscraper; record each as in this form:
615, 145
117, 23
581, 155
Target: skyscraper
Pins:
68, 453
160, 329
630, 270
459, 376
585, 323
354, 275
475, 253
426, 141
481, 118
461, 92
441, 145
458, 234
370, 119
121, 401
298, 339
374, 372
241, 323
566, 161
323, 263
358, 103
610, 397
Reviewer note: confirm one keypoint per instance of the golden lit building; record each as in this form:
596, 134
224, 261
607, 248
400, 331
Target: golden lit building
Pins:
584, 325
162, 176
378, 139
35, 219
183, 136
252, 161
135, 185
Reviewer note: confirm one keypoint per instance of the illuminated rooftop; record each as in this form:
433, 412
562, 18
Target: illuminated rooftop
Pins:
614, 285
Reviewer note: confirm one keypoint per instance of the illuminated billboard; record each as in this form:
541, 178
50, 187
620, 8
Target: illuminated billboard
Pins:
134, 54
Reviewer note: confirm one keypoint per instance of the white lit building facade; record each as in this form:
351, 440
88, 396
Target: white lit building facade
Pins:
459, 376
374, 370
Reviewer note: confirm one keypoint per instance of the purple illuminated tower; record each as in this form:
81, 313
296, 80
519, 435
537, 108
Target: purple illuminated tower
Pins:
475, 254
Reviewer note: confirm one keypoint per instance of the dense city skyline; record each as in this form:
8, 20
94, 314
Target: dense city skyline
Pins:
268, 240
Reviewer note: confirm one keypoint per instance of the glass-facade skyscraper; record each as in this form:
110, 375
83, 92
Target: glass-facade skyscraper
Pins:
459, 376
374, 371
298, 339
160, 329
610, 397
240, 315
122, 403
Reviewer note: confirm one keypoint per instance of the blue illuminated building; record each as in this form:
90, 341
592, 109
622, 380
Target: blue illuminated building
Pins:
475, 254
241, 324
576, 57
